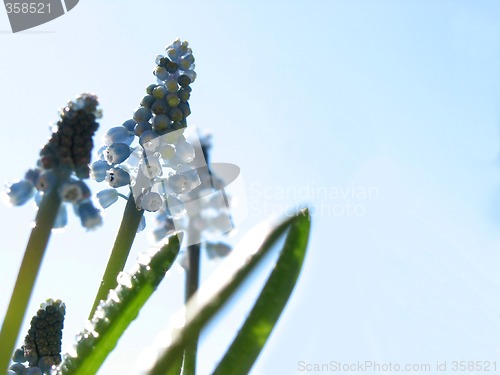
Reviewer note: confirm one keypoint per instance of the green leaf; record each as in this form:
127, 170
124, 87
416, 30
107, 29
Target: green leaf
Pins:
122, 306
223, 284
254, 333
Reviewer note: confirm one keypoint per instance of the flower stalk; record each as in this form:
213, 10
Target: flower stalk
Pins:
192, 285
30, 266
121, 249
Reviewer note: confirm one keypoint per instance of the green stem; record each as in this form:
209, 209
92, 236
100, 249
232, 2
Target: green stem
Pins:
193, 272
121, 249
192, 284
33, 256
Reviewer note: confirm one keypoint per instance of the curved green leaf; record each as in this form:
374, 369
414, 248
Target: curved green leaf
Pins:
231, 274
122, 306
254, 333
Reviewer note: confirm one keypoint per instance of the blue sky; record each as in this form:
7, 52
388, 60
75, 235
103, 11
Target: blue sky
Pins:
305, 97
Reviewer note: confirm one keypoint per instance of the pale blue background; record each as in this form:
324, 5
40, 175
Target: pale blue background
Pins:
397, 96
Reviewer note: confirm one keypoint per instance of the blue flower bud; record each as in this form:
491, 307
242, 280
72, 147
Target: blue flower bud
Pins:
19, 356
183, 48
150, 88
159, 107
172, 85
159, 60
129, 125
161, 73
118, 134
117, 177
89, 215
171, 52
173, 68
159, 92
19, 192
107, 197
32, 175
100, 152
147, 101
191, 74
217, 249
117, 153
142, 224
142, 114
141, 128
73, 191
17, 368
185, 62
98, 170
161, 123
46, 181
150, 201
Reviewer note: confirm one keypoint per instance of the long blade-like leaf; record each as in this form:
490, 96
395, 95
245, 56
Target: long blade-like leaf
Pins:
254, 333
115, 314
223, 284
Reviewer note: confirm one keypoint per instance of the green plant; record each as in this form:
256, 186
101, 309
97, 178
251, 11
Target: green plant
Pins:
161, 169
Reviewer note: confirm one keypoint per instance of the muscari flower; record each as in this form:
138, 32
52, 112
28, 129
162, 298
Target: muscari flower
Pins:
107, 197
152, 154
20, 192
64, 161
89, 215
148, 150
117, 177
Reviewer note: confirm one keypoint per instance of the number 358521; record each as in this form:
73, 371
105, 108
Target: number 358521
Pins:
25, 8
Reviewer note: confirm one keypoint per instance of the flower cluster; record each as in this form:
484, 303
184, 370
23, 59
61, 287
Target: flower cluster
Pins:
71, 144
202, 212
63, 164
156, 165
161, 160
42, 344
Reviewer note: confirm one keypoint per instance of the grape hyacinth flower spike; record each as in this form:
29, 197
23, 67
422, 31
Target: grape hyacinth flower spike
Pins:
42, 345
55, 181
146, 150
64, 163
140, 155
